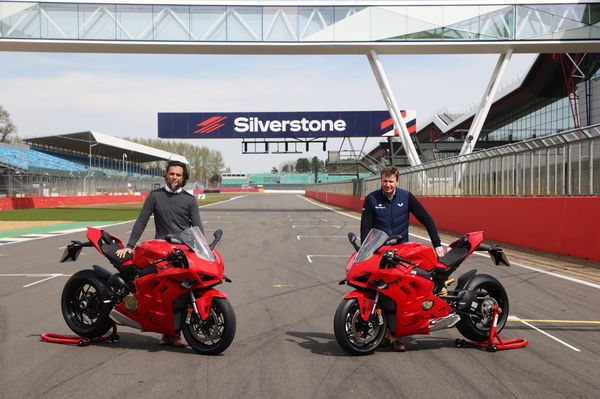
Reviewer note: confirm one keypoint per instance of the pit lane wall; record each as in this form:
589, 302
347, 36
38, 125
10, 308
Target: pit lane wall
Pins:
51, 202
564, 225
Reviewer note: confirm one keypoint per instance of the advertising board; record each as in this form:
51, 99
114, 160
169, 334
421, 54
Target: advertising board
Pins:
241, 125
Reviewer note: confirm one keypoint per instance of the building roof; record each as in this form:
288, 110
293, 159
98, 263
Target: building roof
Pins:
105, 145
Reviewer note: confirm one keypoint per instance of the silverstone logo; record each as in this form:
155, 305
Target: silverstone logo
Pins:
254, 124
211, 124
411, 125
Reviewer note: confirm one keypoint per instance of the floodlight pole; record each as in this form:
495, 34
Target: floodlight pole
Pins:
388, 97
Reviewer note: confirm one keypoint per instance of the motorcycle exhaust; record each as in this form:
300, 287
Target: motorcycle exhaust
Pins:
123, 320
444, 322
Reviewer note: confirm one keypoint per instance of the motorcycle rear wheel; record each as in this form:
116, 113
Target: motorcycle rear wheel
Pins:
477, 328
353, 334
213, 335
83, 305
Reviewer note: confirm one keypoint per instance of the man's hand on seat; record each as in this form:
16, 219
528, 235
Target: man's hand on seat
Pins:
439, 251
121, 253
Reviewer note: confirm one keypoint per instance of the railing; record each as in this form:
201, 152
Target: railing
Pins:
14, 183
315, 22
563, 164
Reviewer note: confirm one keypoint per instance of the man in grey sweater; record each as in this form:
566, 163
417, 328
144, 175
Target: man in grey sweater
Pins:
174, 211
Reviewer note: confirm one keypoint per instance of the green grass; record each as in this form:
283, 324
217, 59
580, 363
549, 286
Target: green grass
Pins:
110, 212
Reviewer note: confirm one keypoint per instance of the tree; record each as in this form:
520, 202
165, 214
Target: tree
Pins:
204, 162
302, 165
285, 168
6, 126
274, 170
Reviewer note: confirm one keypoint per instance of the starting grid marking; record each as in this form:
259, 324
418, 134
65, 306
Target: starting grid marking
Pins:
49, 276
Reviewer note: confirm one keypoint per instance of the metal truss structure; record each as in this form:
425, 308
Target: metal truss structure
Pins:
298, 22
311, 27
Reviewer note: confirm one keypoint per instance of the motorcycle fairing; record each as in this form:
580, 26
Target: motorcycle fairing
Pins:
204, 301
365, 303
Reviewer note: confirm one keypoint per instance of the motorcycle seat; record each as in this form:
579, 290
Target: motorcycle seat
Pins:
109, 248
457, 253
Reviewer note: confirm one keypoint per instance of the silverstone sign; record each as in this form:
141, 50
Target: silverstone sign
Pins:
279, 124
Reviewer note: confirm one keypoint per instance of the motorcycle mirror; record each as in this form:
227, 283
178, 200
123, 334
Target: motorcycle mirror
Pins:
393, 240
217, 234
498, 256
352, 239
172, 239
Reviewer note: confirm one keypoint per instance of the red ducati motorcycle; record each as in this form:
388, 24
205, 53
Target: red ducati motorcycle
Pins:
166, 287
405, 288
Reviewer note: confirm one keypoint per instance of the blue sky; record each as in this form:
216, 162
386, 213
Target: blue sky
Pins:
121, 94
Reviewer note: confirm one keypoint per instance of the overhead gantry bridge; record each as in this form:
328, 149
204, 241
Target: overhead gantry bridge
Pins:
311, 27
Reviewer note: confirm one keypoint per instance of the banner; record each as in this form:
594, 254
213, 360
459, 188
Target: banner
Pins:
242, 125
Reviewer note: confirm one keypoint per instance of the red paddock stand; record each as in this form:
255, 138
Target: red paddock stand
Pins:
494, 342
80, 341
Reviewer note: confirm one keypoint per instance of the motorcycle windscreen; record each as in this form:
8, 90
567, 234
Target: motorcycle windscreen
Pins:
194, 239
373, 241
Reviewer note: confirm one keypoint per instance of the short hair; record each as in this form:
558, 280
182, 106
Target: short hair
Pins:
390, 171
186, 175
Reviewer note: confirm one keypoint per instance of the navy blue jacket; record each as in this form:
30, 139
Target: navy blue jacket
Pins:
391, 216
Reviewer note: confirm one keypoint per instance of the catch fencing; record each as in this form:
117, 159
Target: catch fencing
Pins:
562, 164
51, 183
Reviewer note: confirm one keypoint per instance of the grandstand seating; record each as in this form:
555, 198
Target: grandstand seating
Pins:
24, 159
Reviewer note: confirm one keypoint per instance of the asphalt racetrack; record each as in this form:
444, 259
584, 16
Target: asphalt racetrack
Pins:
286, 256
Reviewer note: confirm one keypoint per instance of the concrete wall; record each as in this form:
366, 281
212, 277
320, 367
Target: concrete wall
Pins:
565, 225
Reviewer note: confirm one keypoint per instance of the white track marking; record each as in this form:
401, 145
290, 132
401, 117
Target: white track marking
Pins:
41, 281
546, 334
313, 225
300, 237
309, 257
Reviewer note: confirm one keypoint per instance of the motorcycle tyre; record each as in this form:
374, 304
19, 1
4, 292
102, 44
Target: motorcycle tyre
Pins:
102, 322
223, 306
466, 326
339, 327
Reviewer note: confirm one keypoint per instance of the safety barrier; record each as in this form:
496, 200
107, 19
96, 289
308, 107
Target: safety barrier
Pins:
51, 202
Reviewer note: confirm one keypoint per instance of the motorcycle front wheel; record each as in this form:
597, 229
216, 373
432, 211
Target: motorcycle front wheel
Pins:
353, 334
84, 305
477, 327
213, 335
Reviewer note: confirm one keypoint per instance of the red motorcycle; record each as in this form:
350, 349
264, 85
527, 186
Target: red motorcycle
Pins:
404, 288
166, 287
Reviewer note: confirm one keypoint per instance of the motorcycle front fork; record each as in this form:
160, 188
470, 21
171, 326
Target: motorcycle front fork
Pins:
194, 310
376, 313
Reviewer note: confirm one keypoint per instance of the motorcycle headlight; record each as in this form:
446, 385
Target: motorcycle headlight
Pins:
427, 305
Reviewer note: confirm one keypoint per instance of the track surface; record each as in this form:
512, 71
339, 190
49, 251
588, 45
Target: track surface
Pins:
285, 256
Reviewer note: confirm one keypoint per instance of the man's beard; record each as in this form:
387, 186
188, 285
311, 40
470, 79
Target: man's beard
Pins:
177, 185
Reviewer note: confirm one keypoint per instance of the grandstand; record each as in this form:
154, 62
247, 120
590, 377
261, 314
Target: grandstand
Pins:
83, 163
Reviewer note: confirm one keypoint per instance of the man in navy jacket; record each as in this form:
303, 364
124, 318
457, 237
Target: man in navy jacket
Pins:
388, 209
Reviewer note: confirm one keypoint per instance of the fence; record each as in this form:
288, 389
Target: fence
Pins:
18, 183
563, 164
